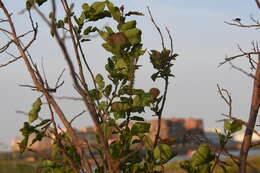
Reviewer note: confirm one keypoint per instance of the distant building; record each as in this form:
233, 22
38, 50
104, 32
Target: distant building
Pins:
182, 130
45, 144
212, 136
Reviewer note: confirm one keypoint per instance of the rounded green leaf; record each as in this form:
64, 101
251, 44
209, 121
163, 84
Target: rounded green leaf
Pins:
126, 26
133, 35
85, 7
98, 7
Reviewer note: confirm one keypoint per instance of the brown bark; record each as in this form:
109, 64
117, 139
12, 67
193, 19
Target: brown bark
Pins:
246, 144
257, 3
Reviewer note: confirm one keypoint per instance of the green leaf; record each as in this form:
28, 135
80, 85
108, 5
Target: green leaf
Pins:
85, 7
23, 144
120, 63
114, 11
107, 90
51, 15
126, 26
99, 170
104, 35
115, 150
29, 4
202, 156
137, 118
155, 76
163, 153
83, 40
140, 128
133, 35
60, 24
107, 47
78, 21
33, 114
173, 57
99, 78
109, 30
137, 101
98, 7
100, 81
107, 130
117, 107
233, 126
236, 126
110, 64
27, 129
103, 105
147, 141
40, 2
38, 137
87, 30
95, 94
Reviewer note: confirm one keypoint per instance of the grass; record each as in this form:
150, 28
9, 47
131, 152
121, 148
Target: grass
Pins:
20, 166
254, 161
17, 167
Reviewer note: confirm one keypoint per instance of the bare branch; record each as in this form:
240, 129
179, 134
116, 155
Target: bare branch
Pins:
228, 100
243, 71
69, 98
57, 82
81, 113
170, 36
157, 27
237, 56
11, 61
243, 26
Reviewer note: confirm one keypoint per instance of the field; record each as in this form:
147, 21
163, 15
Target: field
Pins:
254, 162
17, 167
22, 166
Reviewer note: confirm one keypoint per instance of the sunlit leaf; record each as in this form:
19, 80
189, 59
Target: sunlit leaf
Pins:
163, 153
33, 114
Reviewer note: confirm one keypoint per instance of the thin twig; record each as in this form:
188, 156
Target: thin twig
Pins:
227, 100
157, 27
77, 116
170, 37
243, 71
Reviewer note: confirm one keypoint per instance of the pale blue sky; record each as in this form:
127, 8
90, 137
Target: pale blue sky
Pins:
200, 37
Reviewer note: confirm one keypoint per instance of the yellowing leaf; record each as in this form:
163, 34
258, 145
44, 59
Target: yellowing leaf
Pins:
33, 114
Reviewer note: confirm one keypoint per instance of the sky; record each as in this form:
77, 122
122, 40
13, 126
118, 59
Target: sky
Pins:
200, 37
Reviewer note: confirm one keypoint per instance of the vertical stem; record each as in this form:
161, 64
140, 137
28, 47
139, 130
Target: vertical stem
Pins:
160, 112
251, 121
